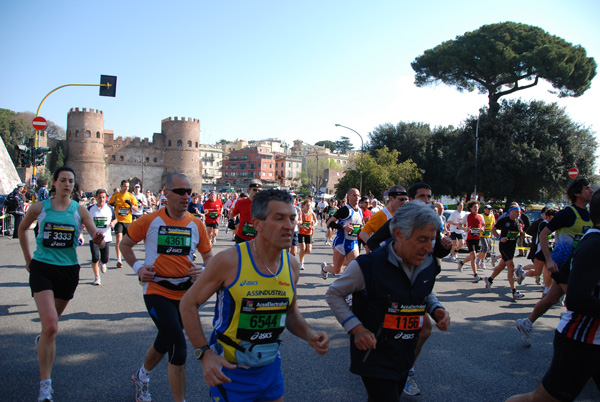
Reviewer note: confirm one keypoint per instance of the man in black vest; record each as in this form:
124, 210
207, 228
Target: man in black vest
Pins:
392, 290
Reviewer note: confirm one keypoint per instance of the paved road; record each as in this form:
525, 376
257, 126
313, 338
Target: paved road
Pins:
105, 332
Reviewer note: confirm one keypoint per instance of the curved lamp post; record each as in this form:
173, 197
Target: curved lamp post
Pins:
362, 151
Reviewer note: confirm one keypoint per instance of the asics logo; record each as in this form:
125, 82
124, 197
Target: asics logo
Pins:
249, 283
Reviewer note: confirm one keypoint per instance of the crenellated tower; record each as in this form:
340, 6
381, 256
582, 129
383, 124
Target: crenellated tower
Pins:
182, 138
84, 147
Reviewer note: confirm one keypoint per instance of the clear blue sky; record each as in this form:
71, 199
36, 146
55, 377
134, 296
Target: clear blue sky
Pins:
258, 69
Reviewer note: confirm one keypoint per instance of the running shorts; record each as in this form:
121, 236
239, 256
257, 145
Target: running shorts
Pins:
61, 279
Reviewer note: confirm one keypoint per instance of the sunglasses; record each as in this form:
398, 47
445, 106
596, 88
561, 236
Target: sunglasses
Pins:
181, 191
402, 199
256, 189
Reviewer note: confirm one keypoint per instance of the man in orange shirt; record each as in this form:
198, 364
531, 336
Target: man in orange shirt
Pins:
170, 235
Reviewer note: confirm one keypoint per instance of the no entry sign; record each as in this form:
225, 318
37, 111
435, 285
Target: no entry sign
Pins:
39, 123
573, 173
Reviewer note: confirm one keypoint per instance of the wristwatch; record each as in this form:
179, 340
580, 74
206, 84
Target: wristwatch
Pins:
199, 352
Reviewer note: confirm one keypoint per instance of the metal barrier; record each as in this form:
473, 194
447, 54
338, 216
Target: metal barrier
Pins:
7, 223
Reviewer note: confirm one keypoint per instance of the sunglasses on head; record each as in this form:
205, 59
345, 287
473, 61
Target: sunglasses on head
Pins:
181, 191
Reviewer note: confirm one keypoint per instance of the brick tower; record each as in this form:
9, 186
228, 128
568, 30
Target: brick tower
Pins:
84, 148
181, 149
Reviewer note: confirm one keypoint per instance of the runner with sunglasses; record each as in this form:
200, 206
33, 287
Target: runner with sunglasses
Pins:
171, 235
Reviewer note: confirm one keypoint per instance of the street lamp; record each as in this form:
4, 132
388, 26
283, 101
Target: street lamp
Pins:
362, 151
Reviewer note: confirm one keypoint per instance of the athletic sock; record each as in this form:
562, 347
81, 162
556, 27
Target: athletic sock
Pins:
143, 374
490, 280
46, 382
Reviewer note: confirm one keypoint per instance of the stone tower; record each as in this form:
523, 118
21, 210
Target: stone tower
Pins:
182, 155
84, 148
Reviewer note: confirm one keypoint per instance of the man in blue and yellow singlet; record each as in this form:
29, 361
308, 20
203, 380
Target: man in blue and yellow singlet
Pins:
255, 282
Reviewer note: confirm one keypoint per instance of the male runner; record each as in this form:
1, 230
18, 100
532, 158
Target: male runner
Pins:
348, 221
212, 210
142, 202
104, 219
243, 208
486, 245
255, 282
455, 229
397, 197
170, 235
473, 222
510, 227
123, 202
570, 224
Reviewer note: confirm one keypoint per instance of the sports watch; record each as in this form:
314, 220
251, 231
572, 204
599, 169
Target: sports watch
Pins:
199, 352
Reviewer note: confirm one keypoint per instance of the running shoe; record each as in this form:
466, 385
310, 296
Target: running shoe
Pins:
103, 268
460, 265
523, 332
97, 281
518, 295
411, 388
538, 280
488, 284
46, 392
323, 272
519, 274
141, 388
119, 264
481, 265
494, 259
477, 278
452, 257
302, 267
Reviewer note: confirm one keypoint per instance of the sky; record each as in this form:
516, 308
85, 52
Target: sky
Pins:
263, 69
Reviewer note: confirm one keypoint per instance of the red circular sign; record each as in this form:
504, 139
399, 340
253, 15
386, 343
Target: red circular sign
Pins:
573, 173
39, 123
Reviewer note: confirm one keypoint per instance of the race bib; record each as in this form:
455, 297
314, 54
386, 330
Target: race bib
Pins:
262, 320
487, 233
248, 230
512, 235
101, 222
123, 211
57, 235
406, 319
213, 214
306, 225
475, 231
174, 240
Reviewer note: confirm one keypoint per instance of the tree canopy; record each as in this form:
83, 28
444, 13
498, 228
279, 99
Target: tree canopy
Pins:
499, 59
380, 172
524, 152
343, 145
327, 144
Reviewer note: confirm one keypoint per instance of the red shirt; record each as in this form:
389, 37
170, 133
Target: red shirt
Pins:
475, 224
212, 211
245, 229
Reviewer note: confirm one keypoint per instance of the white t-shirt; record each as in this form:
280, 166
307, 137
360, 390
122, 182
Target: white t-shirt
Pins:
141, 201
102, 219
455, 218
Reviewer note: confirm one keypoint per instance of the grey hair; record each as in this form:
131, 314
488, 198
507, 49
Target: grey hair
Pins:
413, 215
171, 178
260, 203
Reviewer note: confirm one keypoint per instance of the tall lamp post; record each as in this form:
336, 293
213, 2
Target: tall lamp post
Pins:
362, 151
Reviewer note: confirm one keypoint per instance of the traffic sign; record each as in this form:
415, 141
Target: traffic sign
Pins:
573, 172
39, 123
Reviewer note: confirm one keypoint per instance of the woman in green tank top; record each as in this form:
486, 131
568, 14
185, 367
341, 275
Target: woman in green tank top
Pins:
53, 268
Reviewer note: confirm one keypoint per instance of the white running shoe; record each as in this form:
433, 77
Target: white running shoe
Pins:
103, 268
97, 281
411, 388
46, 392
519, 274
518, 295
488, 285
141, 389
119, 264
523, 332
324, 274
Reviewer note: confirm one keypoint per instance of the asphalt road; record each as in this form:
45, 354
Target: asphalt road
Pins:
105, 332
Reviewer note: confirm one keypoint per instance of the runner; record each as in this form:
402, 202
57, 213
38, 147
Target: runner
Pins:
170, 235
53, 268
196, 208
328, 212
486, 245
243, 209
141, 200
348, 221
392, 289
510, 227
473, 222
241, 361
455, 229
123, 202
306, 227
105, 219
213, 209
